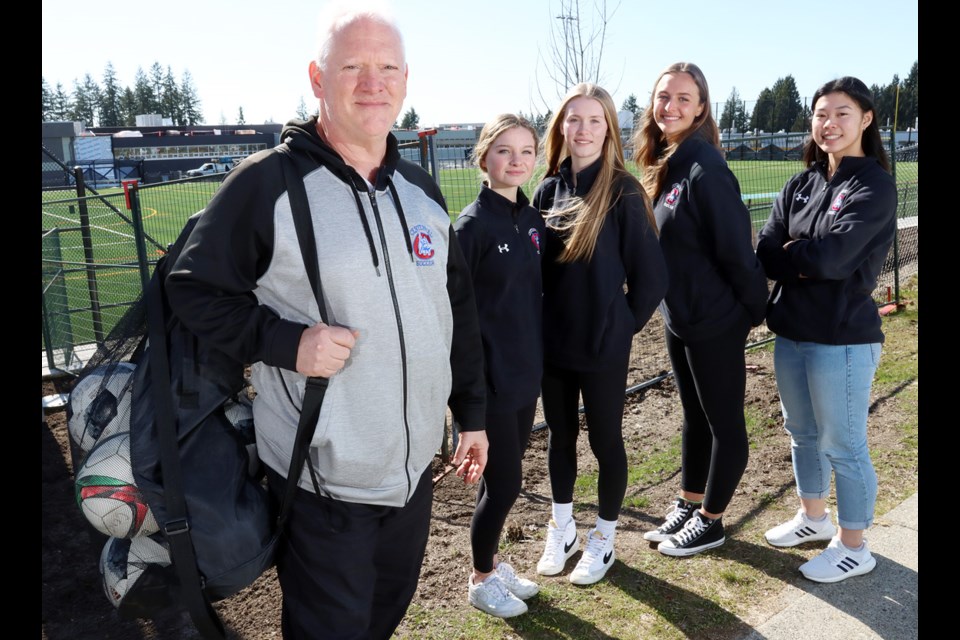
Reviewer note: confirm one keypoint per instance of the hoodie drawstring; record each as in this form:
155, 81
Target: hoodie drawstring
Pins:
403, 219
366, 230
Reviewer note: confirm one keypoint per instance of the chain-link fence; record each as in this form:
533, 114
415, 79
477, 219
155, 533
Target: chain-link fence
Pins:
89, 271
98, 248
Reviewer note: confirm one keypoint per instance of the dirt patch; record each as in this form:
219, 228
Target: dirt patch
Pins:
73, 605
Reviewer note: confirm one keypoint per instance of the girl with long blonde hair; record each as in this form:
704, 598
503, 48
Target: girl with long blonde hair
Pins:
603, 276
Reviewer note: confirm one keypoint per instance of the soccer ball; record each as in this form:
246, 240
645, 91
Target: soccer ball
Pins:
100, 404
106, 492
122, 562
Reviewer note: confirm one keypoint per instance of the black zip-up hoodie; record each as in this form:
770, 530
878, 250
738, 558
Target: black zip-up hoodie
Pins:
589, 318
843, 228
390, 268
716, 280
501, 241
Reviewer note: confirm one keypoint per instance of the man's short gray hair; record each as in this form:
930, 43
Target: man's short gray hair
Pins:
338, 15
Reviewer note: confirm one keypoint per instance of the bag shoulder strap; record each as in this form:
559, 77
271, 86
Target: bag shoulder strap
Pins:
176, 529
316, 387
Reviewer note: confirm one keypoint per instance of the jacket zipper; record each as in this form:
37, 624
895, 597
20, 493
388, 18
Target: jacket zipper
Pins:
403, 348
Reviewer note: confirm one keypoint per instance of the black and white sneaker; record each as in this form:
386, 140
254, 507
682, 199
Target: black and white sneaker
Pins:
676, 518
561, 544
698, 534
597, 558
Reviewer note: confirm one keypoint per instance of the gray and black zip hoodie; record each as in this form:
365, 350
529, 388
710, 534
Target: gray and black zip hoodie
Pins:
390, 268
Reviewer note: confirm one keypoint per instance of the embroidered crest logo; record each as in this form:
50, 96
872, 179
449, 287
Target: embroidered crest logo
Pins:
838, 201
535, 239
671, 200
422, 245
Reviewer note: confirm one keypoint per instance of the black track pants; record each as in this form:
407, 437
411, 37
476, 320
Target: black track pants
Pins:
350, 570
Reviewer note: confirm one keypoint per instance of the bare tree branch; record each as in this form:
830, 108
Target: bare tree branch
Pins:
574, 50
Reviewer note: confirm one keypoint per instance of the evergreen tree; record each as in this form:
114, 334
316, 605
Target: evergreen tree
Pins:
802, 123
762, 117
734, 114
46, 100
885, 98
302, 110
143, 92
170, 102
189, 101
543, 121
910, 98
156, 87
411, 120
740, 120
60, 106
86, 100
630, 104
240, 118
128, 107
786, 104
111, 110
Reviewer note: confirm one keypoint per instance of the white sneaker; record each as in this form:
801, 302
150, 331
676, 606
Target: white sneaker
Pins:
597, 557
492, 596
837, 563
520, 587
801, 529
561, 544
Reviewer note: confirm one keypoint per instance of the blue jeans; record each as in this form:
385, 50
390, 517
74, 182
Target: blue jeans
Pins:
825, 396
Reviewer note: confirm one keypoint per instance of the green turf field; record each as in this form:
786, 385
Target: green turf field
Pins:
66, 274
166, 207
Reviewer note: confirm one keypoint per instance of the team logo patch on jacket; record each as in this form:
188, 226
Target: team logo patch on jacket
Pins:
422, 245
534, 238
671, 200
838, 201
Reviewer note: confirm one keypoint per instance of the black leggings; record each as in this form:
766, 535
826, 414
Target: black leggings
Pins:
508, 435
711, 377
603, 400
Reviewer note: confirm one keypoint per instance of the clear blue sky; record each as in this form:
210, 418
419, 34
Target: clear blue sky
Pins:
472, 60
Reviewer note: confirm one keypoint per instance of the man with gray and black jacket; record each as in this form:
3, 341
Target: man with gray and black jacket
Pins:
400, 341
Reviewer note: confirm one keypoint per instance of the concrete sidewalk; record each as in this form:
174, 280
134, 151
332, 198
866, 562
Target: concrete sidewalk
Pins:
881, 604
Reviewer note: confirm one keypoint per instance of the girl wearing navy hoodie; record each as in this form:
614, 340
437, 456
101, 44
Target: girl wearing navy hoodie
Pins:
501, 236
825, 243
603, 276
718, 290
